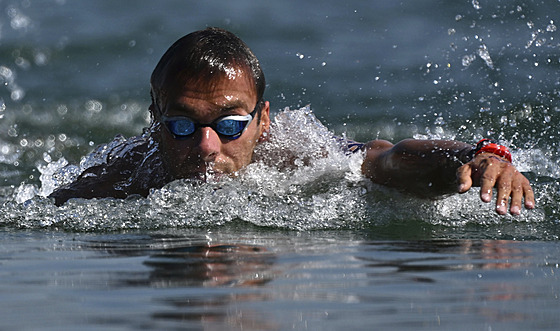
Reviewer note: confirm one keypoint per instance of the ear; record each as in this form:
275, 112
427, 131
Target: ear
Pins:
264, 125
153, 111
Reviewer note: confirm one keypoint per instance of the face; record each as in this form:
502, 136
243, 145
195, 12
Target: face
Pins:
205, 150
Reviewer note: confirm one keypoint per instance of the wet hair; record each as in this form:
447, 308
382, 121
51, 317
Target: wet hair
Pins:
203, 57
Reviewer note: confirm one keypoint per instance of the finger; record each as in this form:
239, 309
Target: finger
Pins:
529, 195
488, 180
504, 186
464, 180
516, 197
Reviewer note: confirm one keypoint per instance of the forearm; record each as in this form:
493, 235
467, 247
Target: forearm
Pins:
420, 166
87, 188
108, 179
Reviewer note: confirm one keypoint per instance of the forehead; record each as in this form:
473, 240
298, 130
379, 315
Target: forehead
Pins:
227, 87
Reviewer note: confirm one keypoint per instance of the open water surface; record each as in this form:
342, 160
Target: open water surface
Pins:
309, 247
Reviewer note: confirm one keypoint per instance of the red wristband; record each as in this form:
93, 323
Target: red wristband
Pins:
489, 146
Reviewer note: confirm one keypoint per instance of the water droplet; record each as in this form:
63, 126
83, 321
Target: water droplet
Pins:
40, 58
18, 20
62, 110
540, 42
485, 55
17, 94
467, 60
22, 63
476, 4
94, 106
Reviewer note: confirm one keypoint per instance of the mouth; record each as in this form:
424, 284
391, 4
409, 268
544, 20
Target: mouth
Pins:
211, 176
205, 173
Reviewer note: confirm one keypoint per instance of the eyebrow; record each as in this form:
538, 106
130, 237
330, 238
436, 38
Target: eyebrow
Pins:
222, 109
234, 105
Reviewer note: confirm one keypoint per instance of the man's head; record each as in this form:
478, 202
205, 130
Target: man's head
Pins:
204, 86
203, 57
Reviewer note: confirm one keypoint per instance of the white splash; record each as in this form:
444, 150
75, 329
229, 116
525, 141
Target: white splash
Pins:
301, 179
485, 55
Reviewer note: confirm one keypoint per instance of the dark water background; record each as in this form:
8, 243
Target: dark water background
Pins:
324, 253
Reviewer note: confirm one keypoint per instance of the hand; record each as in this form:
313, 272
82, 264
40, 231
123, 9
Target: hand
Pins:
489, 170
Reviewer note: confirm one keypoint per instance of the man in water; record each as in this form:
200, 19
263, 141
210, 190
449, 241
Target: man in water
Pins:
208, 115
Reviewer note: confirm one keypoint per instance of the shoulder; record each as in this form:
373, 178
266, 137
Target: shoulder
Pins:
378, 144
376, 148
104, 169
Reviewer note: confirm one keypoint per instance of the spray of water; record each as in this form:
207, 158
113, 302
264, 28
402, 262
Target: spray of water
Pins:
301, 179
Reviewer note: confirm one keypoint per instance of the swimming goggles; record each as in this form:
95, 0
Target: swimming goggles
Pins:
230, 127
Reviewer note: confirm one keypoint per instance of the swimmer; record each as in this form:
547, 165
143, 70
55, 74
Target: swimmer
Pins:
208, 115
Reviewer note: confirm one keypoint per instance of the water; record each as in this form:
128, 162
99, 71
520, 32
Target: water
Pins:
311, 247
241, 277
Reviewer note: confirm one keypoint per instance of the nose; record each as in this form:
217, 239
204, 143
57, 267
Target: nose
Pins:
209, 144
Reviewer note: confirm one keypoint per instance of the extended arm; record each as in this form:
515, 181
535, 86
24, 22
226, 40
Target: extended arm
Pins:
436, 167
108, 179
95, 182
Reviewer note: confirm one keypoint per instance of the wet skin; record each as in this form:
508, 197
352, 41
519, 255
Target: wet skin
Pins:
423, 167
206, 151
429, 166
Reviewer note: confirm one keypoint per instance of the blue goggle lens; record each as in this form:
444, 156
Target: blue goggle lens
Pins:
182, 127
230, 127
